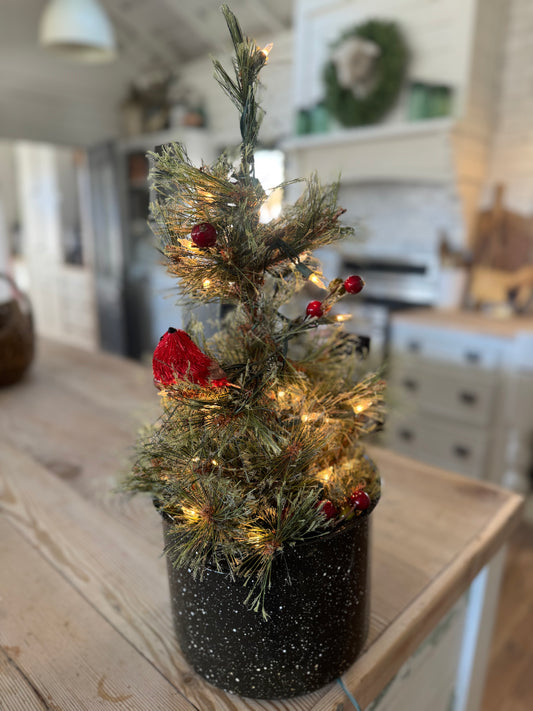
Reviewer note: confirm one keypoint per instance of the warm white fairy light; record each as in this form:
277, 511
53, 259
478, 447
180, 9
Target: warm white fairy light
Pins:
266, 50
190, 513
214, 462
317, 280
281, 393
343, 317
206, 283
362, 406
325, 474
312, 416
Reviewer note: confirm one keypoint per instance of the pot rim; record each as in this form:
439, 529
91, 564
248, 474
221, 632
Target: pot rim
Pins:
328, 534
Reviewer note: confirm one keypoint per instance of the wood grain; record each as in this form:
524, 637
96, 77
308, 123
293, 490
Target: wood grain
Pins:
63, 435
16, 691
71, 657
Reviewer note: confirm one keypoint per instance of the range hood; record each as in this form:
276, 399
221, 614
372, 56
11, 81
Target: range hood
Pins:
451, 152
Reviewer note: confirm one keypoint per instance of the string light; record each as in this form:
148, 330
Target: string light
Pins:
325, 474
206, 283
362, 406
266, 50
343, 317
281, 393
317, 281
190, 513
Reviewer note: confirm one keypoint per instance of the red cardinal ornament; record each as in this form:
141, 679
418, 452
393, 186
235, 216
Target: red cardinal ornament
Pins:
177, 357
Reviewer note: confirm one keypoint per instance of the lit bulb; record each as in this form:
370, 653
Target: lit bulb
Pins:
266, 50
317, 280
196, 459
343, 317
305, 418
281, 393
362, 406
325, 474
214, 462
191, 513
206, 283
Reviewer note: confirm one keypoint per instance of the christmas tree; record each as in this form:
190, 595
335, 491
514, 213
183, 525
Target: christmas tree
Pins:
258, 444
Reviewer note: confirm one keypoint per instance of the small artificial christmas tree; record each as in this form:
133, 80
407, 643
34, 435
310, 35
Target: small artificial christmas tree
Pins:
257, 448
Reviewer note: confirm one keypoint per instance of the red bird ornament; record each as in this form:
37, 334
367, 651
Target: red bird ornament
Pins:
177, 357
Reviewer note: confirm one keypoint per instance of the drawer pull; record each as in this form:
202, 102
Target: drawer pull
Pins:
467, 397
410, 384
406, 435
413, 346
461, 451
472, 357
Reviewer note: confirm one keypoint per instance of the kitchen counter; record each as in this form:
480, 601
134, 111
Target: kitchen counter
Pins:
84, 610
470, 321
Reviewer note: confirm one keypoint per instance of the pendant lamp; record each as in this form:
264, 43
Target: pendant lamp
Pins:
79, 30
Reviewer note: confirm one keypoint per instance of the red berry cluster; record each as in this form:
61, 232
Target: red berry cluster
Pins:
352, 285
358, 500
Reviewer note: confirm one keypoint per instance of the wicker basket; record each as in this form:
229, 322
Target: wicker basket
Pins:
16, 335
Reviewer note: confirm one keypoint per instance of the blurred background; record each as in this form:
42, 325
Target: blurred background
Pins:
422, 107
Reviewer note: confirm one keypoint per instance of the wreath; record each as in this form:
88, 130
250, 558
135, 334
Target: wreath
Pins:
385, 74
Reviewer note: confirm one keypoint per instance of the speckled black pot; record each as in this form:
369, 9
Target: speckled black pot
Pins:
319, 611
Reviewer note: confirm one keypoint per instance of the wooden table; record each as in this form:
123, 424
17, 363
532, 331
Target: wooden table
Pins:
84, 609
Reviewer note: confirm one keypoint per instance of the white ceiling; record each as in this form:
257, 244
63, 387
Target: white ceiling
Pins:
44, 97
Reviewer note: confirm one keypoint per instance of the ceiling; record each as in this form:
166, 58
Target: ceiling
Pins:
45, 97
174, 31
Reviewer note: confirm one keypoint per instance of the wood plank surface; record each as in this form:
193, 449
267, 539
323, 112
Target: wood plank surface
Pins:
66, 432
69, 655
15, 689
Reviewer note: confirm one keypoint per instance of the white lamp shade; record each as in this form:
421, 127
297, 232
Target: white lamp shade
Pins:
79, 29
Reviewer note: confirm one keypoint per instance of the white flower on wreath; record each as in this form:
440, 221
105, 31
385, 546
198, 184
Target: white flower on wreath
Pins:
355, 61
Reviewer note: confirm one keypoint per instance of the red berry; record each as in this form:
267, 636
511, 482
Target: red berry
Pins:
314, 309
354, 284
204, 235
328, 508
359, 500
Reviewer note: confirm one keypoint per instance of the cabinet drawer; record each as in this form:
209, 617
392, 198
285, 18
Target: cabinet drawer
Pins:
464, 394
459, 448
448, 345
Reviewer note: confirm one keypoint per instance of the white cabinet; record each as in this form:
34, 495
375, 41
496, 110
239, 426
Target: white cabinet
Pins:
461, 394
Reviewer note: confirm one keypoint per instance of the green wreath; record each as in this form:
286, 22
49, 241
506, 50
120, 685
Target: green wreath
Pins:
389, 72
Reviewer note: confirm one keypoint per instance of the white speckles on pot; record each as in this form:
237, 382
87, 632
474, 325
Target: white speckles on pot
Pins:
318, 619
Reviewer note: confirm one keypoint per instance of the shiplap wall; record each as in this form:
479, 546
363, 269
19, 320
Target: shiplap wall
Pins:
276, 97
455, 42
438, 33
512, 154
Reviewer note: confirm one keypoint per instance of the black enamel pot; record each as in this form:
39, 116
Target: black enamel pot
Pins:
318, 606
